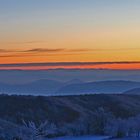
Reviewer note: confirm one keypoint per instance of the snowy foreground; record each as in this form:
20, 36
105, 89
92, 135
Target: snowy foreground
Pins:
81, 138
128, 139
91, 138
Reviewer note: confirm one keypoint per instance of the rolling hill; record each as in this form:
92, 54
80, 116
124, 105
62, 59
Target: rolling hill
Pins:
99, 87
135, 91
77, 115
65, 108
73, 87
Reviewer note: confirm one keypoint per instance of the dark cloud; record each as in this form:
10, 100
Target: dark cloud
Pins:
48, 50
5, 51
30, 52
39, 50
57, 50
67, 64
16, 55
44, 50
81, 50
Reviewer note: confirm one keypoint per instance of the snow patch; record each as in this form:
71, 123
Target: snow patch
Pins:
81, 138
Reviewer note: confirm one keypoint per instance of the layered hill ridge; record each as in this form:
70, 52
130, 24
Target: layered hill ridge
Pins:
73, 87
135, 91
66, 109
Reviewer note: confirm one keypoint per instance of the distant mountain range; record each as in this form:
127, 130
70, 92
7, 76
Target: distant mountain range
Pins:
41, 87
72, 87
99, 87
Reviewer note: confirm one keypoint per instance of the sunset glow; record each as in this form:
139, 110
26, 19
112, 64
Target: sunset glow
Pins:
112, 66
67, 31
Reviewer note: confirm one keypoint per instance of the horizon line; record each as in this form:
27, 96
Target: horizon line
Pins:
116, 65
67, 63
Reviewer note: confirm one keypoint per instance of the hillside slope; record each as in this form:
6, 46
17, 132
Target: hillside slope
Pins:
47, 87
99, 87
65, 109
135, 91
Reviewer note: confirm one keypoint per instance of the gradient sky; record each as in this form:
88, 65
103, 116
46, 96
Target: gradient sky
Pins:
34, 31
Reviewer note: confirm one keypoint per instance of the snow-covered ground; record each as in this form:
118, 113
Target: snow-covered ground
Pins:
91, 138
128, 139
81, 138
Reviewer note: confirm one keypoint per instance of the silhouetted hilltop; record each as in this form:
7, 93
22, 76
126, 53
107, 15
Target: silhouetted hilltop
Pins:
65, 109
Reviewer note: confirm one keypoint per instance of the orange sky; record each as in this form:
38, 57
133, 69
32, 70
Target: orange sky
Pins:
113, 66
81, 31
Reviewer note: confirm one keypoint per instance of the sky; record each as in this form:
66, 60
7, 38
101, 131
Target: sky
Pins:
54, 31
